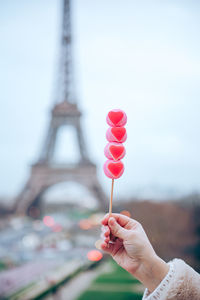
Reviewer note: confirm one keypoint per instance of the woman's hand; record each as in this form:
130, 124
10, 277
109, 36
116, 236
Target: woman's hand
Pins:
126, 241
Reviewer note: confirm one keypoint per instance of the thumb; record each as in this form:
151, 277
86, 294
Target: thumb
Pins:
116, 229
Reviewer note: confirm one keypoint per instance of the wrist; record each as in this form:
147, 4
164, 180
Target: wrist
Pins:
151, 272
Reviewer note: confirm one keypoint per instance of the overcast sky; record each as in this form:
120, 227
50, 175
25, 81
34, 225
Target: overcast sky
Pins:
141, 56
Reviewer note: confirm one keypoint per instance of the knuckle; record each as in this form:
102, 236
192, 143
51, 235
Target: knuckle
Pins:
132, 235
116, 230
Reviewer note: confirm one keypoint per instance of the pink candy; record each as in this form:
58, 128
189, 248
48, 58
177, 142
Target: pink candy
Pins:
113, 169
116, 134
115, 150
116, 118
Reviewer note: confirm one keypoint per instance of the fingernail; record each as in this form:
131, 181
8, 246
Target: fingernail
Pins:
112, 221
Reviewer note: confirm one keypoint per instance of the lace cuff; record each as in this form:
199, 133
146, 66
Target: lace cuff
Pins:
162, 287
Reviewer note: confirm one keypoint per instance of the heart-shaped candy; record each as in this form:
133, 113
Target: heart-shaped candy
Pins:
115, 151
113, 169
116, 118
116, 134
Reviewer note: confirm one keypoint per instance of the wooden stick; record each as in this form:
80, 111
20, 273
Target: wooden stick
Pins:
111, 198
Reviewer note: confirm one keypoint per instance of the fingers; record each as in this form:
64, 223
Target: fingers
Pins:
105, 239
123, 220
109, 242
111, 226
107, 247
116, 229
105, 230
105, 234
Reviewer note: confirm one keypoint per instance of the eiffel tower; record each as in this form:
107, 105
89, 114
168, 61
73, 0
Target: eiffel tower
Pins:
45, 173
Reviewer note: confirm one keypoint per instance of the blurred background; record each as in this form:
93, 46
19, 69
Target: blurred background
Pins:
64, 65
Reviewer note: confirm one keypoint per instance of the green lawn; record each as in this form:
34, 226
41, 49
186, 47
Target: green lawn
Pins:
99, 295
115, 285
2, 266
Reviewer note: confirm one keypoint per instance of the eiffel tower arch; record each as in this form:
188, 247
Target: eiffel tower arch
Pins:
45, 172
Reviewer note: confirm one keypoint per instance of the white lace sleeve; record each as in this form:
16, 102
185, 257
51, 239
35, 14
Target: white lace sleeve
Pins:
162, 289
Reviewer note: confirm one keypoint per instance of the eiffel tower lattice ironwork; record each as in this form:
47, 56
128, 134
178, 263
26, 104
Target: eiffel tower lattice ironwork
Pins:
44, 173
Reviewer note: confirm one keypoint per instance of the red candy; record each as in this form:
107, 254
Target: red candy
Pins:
116, 134
113, 169
114, 151
116, 118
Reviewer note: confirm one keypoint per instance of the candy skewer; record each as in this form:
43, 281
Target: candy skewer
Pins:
111, 198
114, 150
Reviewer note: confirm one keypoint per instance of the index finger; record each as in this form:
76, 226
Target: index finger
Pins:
122, 220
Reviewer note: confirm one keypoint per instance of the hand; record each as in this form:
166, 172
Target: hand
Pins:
126, 241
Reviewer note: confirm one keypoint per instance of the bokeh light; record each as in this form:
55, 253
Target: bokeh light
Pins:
94, 255
48, 221
125, 213
31, 241
85, 224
